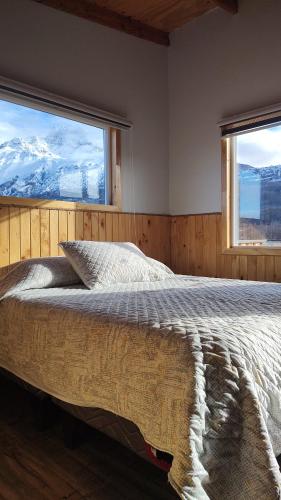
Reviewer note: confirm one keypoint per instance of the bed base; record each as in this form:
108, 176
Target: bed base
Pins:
45, 409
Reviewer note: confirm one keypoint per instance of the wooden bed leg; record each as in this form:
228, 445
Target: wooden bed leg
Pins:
73, 431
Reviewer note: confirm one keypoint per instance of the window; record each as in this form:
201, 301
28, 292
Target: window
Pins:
252, 182
54, 150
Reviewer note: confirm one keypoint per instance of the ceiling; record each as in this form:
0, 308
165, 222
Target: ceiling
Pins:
149, 19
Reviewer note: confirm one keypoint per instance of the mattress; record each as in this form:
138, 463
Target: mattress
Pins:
194, 363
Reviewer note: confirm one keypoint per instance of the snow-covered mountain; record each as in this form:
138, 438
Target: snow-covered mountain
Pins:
268, 174
260, 191
61, 165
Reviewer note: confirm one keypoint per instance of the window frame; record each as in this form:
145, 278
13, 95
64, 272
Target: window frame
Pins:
228, 153
34, 98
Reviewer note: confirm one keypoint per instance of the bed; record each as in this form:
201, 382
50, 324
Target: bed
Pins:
194, 363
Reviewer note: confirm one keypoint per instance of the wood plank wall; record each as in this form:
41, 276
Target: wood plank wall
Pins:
196, 249
193, 248
34, 232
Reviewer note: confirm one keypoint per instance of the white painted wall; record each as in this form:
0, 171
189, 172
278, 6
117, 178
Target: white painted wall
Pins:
101, 67
219, 65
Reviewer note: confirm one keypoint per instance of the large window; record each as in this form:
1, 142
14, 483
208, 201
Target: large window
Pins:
58, 150
252, 164
47, 156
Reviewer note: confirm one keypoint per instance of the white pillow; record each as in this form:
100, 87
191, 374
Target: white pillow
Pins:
45, 272
102, 263
156, 264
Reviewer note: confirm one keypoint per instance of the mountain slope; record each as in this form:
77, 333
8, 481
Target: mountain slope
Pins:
58, 166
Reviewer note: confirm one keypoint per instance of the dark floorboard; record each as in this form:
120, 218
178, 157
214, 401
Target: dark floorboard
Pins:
37, 466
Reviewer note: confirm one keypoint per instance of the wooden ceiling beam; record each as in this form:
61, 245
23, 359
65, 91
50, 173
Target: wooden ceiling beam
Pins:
228, 5
93, 12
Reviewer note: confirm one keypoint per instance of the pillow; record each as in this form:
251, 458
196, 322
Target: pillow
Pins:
156, 264
45, 272
103, 263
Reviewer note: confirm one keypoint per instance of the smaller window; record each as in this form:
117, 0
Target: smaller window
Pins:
252, 174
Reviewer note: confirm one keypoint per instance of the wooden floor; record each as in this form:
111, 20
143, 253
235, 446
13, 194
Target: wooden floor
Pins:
37, 466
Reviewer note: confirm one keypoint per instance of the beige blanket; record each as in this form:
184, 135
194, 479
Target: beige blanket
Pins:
195, 363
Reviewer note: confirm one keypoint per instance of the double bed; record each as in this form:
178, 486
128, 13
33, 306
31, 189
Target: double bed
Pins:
193, 363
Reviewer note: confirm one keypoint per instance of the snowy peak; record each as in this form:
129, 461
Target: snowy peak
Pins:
270, 173
22, 151
61, 165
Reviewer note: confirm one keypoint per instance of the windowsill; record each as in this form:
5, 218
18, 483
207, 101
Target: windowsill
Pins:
254, 250
55, 204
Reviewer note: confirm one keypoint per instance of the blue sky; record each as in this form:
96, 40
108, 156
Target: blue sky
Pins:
20, 121
261, 148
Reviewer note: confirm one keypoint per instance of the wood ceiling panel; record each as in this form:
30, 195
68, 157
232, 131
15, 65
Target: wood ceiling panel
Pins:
165, 15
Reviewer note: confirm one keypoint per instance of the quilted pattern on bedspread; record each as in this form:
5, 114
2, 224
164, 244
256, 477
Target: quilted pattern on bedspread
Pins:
195, 363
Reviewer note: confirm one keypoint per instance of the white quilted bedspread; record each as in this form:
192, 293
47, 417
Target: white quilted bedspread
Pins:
195, 363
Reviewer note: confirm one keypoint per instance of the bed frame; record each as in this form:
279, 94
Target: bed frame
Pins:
114, 426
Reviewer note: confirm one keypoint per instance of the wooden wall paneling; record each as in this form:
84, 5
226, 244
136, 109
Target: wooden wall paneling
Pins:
136, 232
243, 259
252, 268
102, 226
191, 238
235, 267
185, 244
199, 245
115, 227
164, 239
179, 249
4, 236
79, 225
14, 228
35, 232
95, 226
196, 248
71, 225
147, 234
189, 244
139, 231
277, 265
173, 239
158, 237
227, 266
54, 232
209, 245
129, 228
122, 227
108, 227
45, 232
261, 268
270, 268
25, 234
87, 226
63, 228
218, 247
